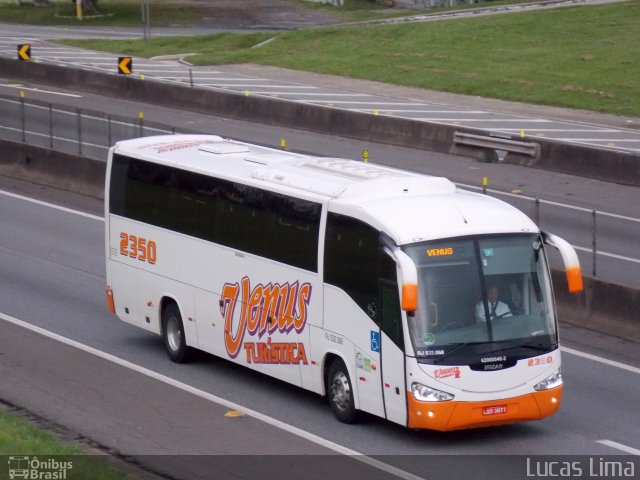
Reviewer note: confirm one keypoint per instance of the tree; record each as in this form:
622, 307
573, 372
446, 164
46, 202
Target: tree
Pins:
88, 6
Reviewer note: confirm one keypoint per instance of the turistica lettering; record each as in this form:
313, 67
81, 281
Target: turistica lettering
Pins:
265, 309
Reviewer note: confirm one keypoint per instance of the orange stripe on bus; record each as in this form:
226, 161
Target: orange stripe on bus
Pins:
111, 305
446, 416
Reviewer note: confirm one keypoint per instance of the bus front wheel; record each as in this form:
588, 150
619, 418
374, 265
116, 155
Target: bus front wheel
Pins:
340, 392
173, 334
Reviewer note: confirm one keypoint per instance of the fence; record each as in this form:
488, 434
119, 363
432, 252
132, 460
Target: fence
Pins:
603, 239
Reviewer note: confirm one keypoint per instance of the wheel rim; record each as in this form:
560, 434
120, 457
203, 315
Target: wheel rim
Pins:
340, 391
174, 335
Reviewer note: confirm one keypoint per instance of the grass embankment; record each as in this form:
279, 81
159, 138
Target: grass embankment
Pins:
19, 438
585, 57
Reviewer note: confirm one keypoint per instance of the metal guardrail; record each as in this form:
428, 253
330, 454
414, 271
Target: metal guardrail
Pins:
90, 134
594, 214
530, 149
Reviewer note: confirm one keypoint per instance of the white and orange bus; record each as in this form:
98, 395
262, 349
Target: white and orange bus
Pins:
373, 286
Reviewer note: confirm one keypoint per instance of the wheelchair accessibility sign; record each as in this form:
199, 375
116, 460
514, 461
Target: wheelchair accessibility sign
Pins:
375, 341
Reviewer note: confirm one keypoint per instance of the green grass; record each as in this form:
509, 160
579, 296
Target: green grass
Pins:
20, 438
121, 13
585, 57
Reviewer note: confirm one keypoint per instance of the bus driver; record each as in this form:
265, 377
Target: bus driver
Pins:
497, 309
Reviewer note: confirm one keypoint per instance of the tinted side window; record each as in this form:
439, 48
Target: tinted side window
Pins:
139, 190
246, 218
352, 261
391, 321
270, 224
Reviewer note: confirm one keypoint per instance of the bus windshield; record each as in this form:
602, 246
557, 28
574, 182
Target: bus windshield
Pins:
480, 296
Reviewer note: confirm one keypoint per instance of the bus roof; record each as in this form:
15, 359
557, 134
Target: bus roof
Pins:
409, 207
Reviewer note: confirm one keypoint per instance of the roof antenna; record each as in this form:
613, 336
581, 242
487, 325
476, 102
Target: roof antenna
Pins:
461, 214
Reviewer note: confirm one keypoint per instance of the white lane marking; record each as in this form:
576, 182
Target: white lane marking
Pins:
195, 77
366, 103
607, 254
579, 130
506, 120
614, 140
316, 94
323, 442
606, 361
243, 85
51, 205
619, 446
41, 91
385, 110
60, 139
549, 202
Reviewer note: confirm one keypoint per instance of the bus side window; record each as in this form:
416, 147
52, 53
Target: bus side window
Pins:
352, 261
391, 318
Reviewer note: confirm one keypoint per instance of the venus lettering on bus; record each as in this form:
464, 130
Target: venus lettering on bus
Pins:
440, 252
264, 309
447, 372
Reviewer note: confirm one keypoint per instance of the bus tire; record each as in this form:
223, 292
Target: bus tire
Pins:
173, 335
340, 392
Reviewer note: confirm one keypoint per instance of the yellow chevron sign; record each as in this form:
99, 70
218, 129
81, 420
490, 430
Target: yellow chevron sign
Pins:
125, 65
24, 52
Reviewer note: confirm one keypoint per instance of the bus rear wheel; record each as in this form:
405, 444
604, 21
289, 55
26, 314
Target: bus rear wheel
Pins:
175, 341
340, 393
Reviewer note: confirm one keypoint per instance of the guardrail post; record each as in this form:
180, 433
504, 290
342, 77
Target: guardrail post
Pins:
22, 118
109, 130
593, 214
50, 126
79, 132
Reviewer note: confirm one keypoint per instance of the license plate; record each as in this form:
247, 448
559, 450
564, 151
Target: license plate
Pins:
494, 410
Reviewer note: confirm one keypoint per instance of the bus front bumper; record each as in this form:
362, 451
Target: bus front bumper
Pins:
457, 415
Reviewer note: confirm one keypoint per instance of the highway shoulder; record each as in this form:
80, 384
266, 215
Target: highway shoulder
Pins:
157, 426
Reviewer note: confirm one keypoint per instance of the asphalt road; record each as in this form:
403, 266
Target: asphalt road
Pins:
55, 280
61, 127
345, 97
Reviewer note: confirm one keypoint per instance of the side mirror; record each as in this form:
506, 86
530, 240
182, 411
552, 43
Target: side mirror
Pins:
409, 271
409, 297
570, 259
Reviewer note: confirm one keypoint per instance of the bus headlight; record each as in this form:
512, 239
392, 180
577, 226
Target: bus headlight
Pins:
426, 394
553, 381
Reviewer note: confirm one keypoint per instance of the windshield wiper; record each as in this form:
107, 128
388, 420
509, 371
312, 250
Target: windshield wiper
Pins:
439, 360
532, 345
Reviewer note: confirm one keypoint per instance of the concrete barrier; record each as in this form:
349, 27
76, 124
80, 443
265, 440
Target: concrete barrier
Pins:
603, 164
49, 167
604, 307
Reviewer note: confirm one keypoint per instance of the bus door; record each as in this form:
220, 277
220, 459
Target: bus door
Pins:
392, 345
